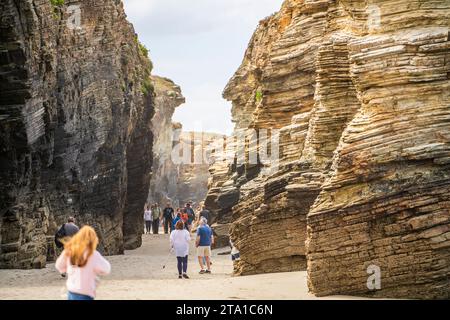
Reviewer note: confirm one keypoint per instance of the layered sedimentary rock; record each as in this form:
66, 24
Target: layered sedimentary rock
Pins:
181, 167
193, 176
222, 194
385, 204
274, 90
179, 172
75, 111
359, 95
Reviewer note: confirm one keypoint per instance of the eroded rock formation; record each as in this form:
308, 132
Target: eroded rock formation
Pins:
180, 170
164, 181
222, 194
360, 95
384, 203
194, 177
75, 111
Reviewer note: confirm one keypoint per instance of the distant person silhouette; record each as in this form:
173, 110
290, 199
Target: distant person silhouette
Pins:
191, 215
156, 215
148, 219
205, 213
168, 218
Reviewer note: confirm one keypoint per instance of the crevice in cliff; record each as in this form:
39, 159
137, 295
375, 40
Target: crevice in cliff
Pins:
72, 118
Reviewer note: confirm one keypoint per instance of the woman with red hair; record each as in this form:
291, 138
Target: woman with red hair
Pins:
82, 263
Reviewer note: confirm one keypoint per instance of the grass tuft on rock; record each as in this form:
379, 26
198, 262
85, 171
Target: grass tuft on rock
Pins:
57, 3
147, 87
258, 96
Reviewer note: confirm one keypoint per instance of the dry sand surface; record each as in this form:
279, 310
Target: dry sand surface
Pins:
139, 275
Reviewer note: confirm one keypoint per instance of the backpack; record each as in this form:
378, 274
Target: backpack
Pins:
184, 217
61, 233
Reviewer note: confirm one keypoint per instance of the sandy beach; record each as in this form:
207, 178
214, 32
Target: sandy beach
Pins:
139, 275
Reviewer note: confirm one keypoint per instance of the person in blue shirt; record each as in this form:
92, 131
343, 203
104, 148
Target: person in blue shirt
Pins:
205, 239
177, 218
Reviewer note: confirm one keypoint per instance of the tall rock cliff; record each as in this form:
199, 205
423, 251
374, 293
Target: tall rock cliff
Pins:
194, 175
75, 113
222, 193
180, 170
164, 179
359, 93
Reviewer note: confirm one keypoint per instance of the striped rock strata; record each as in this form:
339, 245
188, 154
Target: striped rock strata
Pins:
75, 112
360, 95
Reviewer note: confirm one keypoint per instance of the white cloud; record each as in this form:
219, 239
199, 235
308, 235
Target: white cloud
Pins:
138, 9
168, 17
199, 44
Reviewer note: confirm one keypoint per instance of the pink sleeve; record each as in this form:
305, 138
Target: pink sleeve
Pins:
61, 263
101, 266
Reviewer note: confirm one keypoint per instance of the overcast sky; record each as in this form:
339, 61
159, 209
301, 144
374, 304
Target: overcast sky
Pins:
199, 44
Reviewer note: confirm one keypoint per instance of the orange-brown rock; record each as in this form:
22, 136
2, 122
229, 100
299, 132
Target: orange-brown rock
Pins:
360, 95
384, 203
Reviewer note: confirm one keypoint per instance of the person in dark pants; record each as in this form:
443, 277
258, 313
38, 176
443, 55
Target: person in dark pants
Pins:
179, 241
168, 218
156, 215
148, 219
191, 216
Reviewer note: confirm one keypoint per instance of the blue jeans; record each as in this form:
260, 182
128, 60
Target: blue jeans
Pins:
182, 264
76, 296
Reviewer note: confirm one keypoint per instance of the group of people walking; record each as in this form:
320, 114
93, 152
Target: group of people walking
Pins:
82, 264
180, 240
181, 222
154, 217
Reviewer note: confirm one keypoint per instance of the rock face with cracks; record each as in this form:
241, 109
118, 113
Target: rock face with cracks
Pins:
180, 172
75, 110
163, 185
359, 94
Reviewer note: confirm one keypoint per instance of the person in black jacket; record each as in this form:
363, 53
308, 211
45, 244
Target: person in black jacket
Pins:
205, 213
67, 230
168, 218
64, 233
191, 215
